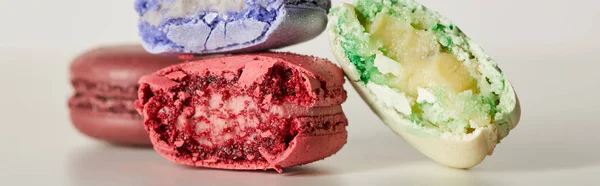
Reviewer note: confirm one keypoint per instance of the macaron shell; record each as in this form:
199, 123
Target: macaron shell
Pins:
321, 68
311, 146
117, 128
303, 149
465, 153
292, 30
117, 65
316, 71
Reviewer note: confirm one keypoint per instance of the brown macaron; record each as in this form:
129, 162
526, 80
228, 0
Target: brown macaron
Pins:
105, 80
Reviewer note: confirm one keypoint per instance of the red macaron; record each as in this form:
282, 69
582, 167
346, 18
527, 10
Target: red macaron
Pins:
251, 111
105, 81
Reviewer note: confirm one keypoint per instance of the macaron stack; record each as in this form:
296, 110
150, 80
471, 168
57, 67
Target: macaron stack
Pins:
247, 109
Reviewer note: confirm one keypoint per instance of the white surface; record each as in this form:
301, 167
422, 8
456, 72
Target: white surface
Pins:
547, 48
182, 8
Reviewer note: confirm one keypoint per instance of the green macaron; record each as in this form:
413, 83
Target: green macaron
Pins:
425, 78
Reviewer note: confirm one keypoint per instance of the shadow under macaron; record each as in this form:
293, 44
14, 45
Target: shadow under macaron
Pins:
117, 165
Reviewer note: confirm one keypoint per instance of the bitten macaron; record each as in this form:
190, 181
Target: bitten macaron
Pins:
105, 80
426, 79
228, 26
249, 111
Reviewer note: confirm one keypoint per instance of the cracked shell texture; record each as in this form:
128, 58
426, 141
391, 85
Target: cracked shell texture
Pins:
236, 26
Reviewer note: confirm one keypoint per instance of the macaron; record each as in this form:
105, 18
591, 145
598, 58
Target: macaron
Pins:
228, 26
246, 112
426, 79
105, 80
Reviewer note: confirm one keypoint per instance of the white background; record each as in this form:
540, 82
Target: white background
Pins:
548, 48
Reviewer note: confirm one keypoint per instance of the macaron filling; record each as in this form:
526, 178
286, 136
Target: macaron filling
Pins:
102, 104
103, 97
199, 26
423, 67
105, 89
213, 118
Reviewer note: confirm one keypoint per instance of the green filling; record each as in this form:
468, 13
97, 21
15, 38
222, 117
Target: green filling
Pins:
452, 111
356, 42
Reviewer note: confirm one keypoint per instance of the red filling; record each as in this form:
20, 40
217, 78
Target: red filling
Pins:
106, 89
106, 104
211, 118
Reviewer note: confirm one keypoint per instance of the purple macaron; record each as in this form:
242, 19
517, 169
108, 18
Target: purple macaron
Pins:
228, 26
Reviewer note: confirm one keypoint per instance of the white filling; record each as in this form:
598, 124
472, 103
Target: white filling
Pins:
217, 120
425, 96
216, 124
391, 98
215, 101
184, 8
387, 65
